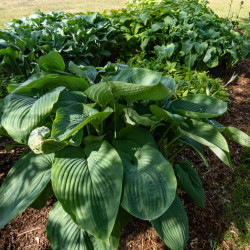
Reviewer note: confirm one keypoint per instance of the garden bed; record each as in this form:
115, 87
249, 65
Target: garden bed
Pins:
207, 225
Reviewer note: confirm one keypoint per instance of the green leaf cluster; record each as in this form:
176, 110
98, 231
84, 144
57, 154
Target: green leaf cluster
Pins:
186, 32
104, 143
89, 38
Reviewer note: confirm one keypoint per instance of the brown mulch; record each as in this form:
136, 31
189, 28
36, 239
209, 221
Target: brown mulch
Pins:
207, 225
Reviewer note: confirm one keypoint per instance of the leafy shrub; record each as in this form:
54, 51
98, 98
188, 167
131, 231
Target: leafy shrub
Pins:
106, 142
183, 31
88, 38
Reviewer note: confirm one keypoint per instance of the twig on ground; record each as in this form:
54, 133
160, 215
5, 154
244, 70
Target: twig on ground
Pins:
29, 231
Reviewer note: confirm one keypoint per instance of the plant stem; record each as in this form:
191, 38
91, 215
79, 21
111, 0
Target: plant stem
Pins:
165, 133
88, 129
177, 152
170, 143
115, 132
115, 118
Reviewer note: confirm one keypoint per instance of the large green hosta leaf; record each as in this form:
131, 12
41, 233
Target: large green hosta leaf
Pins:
73, 117
149, 181
24, 113
172, 226
190, 181
88, 184
103, 92
138, 76
134, 92
64, 234
52, 61
208, 135
199, 106
25, 181
49, 81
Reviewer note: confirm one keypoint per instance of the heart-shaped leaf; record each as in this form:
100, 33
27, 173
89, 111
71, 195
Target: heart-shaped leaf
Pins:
88, 184
103, 92
149, 180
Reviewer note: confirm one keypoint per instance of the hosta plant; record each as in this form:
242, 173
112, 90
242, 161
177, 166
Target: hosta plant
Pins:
89, 38
182, 31
104, 143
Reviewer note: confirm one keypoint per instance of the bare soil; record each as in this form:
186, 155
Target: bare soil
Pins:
207, 225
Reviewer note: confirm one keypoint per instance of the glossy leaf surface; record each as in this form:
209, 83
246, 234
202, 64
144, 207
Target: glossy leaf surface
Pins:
172, 226
190, 181
24, 182
24, 113
88, 184
149, 181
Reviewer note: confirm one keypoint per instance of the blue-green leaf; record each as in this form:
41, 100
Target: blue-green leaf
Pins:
25, 181
149, 184
172, 226
88, 184
190, 181
24, 113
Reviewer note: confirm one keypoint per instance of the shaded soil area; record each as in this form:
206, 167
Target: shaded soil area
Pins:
207, 225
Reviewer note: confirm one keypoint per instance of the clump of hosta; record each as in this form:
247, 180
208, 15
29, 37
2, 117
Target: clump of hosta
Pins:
106, 140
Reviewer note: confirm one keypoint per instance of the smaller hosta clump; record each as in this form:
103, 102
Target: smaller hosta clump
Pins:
95, 144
